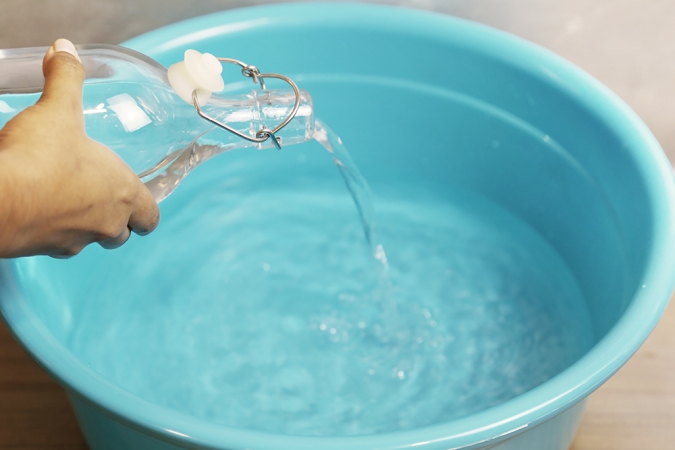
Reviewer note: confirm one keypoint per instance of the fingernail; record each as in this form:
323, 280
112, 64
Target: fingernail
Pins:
64, 45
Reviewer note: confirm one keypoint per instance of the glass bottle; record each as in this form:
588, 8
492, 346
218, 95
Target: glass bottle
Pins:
129, 105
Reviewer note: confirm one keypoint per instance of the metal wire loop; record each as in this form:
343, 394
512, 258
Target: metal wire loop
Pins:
264, 133
253, 72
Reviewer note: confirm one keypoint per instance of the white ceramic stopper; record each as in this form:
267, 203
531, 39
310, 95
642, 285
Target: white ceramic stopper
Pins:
198, 71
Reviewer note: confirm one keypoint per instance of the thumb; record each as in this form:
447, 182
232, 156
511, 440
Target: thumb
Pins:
64, 76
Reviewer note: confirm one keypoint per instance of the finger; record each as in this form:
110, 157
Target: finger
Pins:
67, 252
145, 216
64, 75
118, 241
60, 256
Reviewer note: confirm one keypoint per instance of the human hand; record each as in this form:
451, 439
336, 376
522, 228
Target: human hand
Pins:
59, 189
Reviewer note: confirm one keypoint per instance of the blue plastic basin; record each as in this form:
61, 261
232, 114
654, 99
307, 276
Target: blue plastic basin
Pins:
416, 96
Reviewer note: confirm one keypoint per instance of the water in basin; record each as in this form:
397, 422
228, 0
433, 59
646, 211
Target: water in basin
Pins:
263, 308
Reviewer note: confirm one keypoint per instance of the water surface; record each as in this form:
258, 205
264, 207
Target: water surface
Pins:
264, 310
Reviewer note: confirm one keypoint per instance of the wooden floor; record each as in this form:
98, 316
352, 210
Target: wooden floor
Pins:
34, 410
635, 410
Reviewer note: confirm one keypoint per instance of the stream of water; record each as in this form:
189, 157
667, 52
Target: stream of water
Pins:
356, 185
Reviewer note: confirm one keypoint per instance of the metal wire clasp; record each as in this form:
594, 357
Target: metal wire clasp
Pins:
264, 133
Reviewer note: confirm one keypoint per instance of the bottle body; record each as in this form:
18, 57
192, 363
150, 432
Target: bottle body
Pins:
129, 106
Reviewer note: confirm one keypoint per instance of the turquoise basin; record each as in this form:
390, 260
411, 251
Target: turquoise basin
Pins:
546, 192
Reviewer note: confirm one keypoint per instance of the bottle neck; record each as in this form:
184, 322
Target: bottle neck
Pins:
258, 110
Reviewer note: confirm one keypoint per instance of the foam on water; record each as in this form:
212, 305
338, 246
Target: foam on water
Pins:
267, 313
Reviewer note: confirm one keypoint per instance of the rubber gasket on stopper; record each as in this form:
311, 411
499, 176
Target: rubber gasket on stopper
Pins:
199, 72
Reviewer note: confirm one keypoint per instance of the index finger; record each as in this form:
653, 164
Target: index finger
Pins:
145, 216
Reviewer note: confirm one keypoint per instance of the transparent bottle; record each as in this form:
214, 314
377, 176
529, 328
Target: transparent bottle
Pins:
130, 106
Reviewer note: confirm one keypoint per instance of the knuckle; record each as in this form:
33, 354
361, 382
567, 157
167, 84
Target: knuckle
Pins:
71, 251
128, 190
149, 223
154, 221
116, 242
109, 232
107, 235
